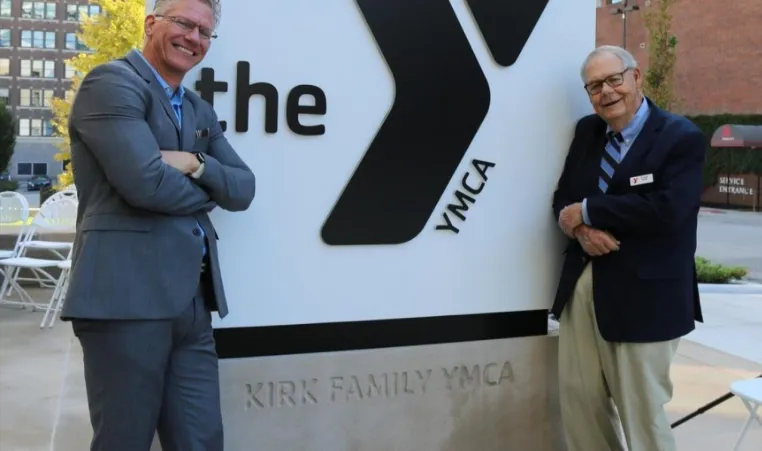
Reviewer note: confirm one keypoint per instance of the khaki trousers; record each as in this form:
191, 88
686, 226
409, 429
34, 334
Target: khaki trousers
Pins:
598, 378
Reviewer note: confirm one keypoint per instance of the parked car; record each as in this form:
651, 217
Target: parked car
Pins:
37, 182
5, 176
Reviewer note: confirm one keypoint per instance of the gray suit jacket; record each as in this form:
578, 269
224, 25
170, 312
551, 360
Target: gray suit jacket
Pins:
138, 250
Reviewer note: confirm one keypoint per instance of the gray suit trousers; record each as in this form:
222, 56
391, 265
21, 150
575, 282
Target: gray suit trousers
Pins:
145, 376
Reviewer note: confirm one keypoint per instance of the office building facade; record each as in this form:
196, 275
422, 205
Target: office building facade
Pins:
36, 39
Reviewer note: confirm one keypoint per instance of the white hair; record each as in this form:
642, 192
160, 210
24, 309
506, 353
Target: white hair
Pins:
624, 56
161, 7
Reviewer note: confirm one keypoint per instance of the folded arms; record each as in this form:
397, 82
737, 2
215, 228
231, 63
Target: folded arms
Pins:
108, 116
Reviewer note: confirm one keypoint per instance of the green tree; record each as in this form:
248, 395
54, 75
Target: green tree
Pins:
659, 78
109, 35
7, 136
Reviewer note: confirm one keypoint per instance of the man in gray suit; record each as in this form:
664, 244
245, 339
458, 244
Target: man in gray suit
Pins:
150, 161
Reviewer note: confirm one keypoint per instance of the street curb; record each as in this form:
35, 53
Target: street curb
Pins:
731, 288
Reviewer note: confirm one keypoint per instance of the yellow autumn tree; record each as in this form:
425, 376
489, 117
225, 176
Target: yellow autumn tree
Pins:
662, 54
109, 35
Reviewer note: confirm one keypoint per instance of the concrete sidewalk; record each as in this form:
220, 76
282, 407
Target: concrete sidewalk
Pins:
43, 403
732, 323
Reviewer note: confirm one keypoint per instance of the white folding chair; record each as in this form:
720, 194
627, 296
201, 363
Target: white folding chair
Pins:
54, 305
14, 208
59, 216
58, 248
750, 393
53, 246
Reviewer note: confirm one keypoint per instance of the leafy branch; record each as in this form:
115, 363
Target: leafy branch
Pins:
659, 78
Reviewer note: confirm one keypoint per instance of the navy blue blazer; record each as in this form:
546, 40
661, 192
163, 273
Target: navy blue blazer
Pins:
648, 290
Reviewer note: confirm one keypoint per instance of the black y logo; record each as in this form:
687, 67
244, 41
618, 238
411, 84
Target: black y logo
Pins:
441, 99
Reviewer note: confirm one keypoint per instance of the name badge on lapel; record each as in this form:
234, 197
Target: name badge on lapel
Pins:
641, 179
203, 133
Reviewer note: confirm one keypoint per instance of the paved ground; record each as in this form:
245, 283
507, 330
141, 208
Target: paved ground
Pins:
43, 405
732, 238
732, 324
33, 197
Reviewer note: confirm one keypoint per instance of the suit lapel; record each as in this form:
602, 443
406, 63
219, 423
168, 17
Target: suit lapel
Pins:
145, 71
642, 145
189, 125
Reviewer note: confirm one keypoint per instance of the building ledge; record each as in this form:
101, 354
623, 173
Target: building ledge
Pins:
38, 140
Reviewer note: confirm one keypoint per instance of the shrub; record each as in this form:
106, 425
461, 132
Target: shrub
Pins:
709, 272
8, 185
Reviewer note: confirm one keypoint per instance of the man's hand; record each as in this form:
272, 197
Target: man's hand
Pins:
596, 242
570, 218
185, 162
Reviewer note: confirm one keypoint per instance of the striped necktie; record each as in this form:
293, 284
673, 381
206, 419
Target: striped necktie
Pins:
610, 160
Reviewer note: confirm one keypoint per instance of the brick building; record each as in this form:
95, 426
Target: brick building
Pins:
36, 38
719, 51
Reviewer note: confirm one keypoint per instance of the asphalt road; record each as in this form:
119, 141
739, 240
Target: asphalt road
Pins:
732, 238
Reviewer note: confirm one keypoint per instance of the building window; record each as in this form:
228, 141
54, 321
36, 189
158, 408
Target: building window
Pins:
38, 69
38, 98
75, 13
5, 37
32, 169
70, 72
5, 95
5, 8
24, 127
5, 67
38, 10
35, 127
38, 39
73, 42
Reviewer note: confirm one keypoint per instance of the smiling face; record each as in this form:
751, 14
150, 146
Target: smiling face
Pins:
614, 90
178, 37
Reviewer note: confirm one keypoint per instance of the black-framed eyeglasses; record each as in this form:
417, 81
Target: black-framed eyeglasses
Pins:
188, 26
613, 80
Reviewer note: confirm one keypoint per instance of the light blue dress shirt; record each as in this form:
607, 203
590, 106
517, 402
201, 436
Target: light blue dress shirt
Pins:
629, 134
176, 100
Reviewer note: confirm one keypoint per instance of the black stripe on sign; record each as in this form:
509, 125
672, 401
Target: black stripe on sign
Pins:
506, 25
241, 342
441, 99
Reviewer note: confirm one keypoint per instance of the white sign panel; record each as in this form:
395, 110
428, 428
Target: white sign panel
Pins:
452, 129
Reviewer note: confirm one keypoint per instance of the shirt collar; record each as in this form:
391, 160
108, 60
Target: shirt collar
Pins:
172, 94
636, 124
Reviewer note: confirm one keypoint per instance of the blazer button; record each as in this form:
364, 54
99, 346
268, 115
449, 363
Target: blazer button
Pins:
197, 232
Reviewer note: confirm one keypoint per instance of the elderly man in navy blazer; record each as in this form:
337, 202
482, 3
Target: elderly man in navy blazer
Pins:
628, 200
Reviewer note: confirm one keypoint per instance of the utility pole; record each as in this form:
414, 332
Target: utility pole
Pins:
623, 10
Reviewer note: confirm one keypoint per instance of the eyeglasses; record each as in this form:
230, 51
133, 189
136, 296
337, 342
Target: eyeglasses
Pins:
613, 80
188, 26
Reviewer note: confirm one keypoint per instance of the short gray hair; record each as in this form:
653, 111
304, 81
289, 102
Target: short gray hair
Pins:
161, 6
624, 56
